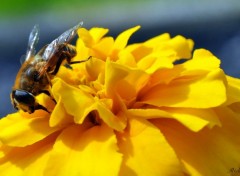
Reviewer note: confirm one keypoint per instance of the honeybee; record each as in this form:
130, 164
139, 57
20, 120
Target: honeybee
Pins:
36, 72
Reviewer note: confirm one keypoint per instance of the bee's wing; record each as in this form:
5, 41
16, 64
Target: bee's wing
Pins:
66, 37
32, 41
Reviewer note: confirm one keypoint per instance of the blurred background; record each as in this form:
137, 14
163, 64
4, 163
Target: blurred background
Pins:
212, 24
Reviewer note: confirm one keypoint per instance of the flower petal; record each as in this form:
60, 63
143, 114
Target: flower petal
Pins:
154, 62
124, 81
182, 46
204, 92
202, 60
194, 119
117, 122
29, 160
59, 117
79, 103
158, 40
218, 146
82, 151
121, 41
20, 130
90, 43
83, 51
103, 48
202, 63
146, 151
98, 33
113, 73
92, 70
70, 76
126, 58
233, 90
138, 51
86, 37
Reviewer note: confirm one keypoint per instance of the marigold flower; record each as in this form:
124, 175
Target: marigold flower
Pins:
129, 110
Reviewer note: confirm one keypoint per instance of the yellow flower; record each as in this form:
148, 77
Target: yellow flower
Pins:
129, 110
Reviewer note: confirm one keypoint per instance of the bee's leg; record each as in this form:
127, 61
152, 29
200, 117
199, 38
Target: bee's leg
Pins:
67, 53
58, 64
68, 65
49, 80
46, 92
38, 106
61, 58
77, 62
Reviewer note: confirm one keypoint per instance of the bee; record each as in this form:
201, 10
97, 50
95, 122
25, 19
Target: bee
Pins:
37, 70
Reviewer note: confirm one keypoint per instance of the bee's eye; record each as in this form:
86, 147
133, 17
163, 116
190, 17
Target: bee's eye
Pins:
33, 73
23, 97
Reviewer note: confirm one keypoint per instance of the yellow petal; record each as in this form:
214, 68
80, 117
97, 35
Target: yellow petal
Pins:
20, 130
235, 107
81, 151
124, 81
154, 62
103, 48
139, 51
113, 73
86, 37
182, 46
158, 40
218, 147
68, 75
82, 51
117, 122
45, 101
90, 43
27, 161
79, 103
122, 39
204, 92
202, 60
146, 151
163, 76
98, 33
194, 119
126, 58
79, 106
94, 67
202, 63
59, 117
233, 90
129, 87
148, 113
